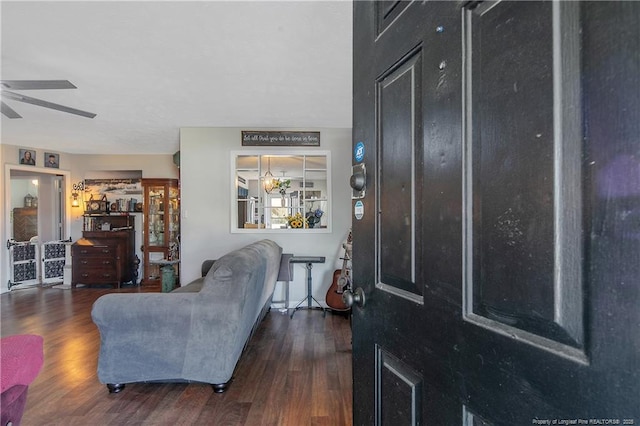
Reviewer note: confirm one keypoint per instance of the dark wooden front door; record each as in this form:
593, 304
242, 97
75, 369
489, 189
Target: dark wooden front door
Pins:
498, 243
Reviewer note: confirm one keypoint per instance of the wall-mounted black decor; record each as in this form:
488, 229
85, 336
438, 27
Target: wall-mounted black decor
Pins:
277, 138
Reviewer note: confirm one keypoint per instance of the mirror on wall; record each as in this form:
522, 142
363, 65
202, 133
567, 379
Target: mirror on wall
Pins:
24, 207
283, 192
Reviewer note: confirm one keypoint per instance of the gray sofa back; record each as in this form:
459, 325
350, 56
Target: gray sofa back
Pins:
193, 336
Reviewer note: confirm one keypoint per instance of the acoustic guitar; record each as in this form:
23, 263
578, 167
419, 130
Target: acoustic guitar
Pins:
341, 282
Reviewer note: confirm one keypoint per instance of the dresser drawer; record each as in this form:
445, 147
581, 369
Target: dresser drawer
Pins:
95, 276
96, 262
93, 251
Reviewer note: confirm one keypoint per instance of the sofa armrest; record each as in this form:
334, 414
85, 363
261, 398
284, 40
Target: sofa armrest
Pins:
142, 336
148, 312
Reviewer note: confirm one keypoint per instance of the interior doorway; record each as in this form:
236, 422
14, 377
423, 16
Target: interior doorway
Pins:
35, 211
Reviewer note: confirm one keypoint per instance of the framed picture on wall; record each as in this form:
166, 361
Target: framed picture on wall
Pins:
51, 159
27, 156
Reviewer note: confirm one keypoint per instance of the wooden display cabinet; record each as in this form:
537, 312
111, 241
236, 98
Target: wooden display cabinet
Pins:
161, 226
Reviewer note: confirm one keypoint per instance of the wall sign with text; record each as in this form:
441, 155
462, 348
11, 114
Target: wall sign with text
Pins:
283, 138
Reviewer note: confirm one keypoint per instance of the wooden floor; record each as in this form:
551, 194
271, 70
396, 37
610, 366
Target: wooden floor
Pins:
294, 371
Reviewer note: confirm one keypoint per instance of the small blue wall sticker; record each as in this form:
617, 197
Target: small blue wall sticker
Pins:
358, 152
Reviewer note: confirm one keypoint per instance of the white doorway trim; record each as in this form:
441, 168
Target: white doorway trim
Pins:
5, 274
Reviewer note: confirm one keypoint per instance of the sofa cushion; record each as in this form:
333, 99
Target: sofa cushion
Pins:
193, 287
196, 285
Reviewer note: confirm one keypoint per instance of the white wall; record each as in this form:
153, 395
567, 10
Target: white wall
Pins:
206, 206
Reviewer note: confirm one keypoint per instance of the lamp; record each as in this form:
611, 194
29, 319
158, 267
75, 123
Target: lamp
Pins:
268, 178
76, 187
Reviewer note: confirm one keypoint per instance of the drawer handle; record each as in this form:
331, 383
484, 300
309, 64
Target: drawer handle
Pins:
84, 262
106, 275
85, 275
84, 251
106, 262
105, 250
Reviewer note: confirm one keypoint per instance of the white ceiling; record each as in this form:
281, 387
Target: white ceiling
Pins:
148, 68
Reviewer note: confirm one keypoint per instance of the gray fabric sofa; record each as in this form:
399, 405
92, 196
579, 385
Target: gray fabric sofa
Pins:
195, 333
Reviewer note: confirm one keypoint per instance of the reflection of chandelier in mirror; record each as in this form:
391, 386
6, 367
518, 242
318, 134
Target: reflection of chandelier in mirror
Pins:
268, 178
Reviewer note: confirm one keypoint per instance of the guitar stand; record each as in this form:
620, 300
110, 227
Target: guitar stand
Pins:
308, 261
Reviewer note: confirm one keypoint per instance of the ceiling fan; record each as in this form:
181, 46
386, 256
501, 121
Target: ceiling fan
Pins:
36, 85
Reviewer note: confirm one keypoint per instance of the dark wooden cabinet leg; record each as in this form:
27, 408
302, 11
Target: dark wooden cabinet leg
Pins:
115, 387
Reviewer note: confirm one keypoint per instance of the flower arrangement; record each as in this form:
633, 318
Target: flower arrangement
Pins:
282, 185
297, 221
313, 217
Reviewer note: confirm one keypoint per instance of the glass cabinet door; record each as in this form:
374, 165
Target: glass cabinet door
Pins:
161, 227
173, 221
155, 217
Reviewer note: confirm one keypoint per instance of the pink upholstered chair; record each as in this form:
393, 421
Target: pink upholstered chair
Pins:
21, 358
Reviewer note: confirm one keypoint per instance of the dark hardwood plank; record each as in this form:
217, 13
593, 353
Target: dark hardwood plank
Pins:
293, 372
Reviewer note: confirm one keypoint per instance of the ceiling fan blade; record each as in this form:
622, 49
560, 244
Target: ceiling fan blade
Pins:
7, 111
40, 102
37, 84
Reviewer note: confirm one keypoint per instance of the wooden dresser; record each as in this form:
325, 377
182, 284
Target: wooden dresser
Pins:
95, 263
25, 223
104, 257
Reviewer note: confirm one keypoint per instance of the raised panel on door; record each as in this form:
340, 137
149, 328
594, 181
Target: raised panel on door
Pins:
387, 11
524, 291
523, 188
400, 176
532, 329
399, 398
